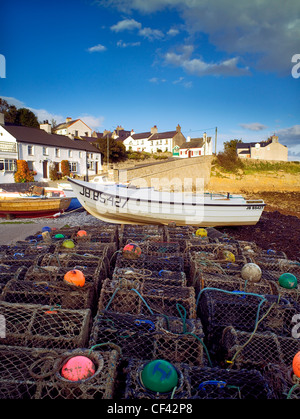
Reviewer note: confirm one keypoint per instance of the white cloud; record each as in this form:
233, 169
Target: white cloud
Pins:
126, 25
123, 44
289, 136
173, 32
151, 34
265, 34
198, 67
94, 122
97, 48
254, 126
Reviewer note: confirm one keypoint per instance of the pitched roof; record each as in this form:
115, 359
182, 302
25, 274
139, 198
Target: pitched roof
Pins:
41, 137
142, 135
67, 124
195, 143
163, 135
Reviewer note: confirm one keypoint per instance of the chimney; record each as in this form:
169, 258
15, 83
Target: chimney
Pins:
68, 119
2, 122
204, 136
154, 130
188, 139
178, 128
46, 127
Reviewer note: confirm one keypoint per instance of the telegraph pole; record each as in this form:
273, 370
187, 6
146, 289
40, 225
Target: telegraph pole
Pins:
216, 140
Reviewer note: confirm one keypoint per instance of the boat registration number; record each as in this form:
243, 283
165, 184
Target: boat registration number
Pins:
251, 207
105, 199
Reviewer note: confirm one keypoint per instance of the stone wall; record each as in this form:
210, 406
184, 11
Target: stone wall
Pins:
190, 174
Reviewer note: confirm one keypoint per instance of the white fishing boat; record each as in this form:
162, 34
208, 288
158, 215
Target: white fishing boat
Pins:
123, 204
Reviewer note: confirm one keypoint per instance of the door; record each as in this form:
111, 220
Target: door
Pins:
45, 169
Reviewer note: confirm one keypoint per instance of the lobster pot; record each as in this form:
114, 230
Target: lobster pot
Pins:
151, 263
248, 248
218, 309
133, 334
19, 367
217, 383
179, 234
35, 373
282, 381
134, 388
292, 295
231, 283
55, 274
135, 233
49, 293
160, 248
121, 297
20, 259
44, 326
163, 277
275, 348
11, 271
138, 298
92, 249
167, 299
179, 340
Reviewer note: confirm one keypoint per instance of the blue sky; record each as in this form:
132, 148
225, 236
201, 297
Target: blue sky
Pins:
197, 63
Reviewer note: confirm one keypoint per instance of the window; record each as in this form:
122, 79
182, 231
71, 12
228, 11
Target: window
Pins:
8, 165
57, 152
70, 153
30, 150
73, 166
45, 151
80, 154
76, 133
30, 165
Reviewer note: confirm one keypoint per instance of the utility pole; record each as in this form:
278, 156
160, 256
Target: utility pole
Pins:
216, 141
107, 158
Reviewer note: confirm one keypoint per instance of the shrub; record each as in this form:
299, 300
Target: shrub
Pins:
65, 168
23, 174
54, 174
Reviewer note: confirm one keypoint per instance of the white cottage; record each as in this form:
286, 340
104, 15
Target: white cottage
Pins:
73, 127
40, 149
196, 147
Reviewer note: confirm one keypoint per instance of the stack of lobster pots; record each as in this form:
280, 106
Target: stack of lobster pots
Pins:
147, 311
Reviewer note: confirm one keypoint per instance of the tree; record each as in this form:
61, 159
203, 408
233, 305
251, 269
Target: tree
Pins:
21, 116
117, 150
229, 159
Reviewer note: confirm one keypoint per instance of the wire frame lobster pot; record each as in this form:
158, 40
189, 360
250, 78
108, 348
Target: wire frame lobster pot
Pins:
252, 351
163, 277
160, 248
45, 326
231, 283
138, 298
218, 309
217, 383
135, 335
180, 340
282, 381
292, 294
151, 263
49, 293
11, 271
165, 300
136, 233
55, 274
135, 389
35, 373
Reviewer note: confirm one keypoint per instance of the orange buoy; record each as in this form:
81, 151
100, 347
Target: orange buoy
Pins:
75, 277
131, 251
78, 368
81, 233
296, 364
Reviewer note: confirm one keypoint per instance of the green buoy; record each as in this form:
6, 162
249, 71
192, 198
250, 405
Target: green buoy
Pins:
159, 376
59, 236
287, 280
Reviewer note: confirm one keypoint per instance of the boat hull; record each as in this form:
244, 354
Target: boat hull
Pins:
32, 207
121, 205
